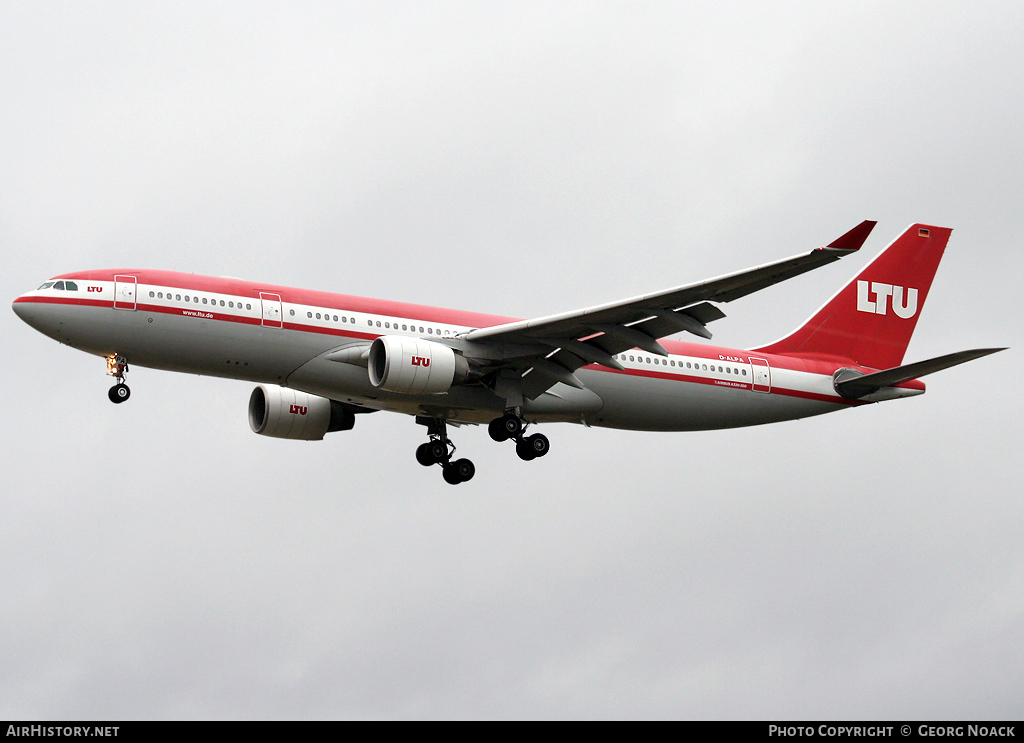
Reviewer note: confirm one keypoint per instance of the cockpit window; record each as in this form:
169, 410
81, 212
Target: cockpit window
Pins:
47, 285
71, 286
59, 285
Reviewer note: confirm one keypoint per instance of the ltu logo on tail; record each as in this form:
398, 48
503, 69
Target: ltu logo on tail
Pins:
882, 293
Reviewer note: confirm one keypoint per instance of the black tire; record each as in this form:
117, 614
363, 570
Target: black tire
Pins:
451, 475
539, 444
438, 450
423, 455
524, 450
512, 425
496, 429
465, 469
119, 393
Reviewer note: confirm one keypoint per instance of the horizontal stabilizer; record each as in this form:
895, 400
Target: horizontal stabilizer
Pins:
860, 385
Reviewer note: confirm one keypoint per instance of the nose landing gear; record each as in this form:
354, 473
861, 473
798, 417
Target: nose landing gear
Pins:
117, 367
439, 450
511, 426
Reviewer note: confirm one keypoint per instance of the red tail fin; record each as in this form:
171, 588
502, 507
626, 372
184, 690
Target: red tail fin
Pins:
871, 319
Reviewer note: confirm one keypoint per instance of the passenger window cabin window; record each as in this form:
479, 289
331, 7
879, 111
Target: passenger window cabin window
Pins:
335, 318
248, 307
159, 295
387, 325
405, 327
309, 314
378, 323
204, 300
177, 297
152, 294
222, 304
231, 304
430, 331
186, 298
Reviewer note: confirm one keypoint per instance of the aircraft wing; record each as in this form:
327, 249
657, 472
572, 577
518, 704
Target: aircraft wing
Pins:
548, 350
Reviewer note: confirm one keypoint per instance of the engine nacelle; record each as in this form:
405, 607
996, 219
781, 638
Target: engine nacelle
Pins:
414, 366
290, 414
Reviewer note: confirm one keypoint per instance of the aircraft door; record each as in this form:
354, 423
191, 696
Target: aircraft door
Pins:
273, 315
762, 375
124, 292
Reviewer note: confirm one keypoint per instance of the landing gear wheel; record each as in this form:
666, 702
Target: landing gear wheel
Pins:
464, 469
424, 455
438, 450
524, 450
538, 444
119, 393
496, 429
511, 425
451, 474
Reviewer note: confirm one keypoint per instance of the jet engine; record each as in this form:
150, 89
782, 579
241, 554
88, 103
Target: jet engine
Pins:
414, 366
290, 414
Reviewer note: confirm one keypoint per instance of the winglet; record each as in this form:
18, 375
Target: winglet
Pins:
855, 238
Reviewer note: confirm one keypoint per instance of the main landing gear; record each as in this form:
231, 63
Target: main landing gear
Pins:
117, 367
511, 426
439, 450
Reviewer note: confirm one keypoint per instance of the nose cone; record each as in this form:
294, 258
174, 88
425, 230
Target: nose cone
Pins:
30, 311
21, 308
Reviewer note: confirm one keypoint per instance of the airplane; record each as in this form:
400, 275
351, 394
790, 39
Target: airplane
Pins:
319, 359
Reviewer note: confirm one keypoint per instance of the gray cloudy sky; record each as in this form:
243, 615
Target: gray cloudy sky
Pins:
158, 560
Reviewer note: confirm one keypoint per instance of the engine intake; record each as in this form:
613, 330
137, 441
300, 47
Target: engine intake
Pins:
290, 414
414, 366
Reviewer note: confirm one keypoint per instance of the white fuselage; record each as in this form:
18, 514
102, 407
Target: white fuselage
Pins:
277, 335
